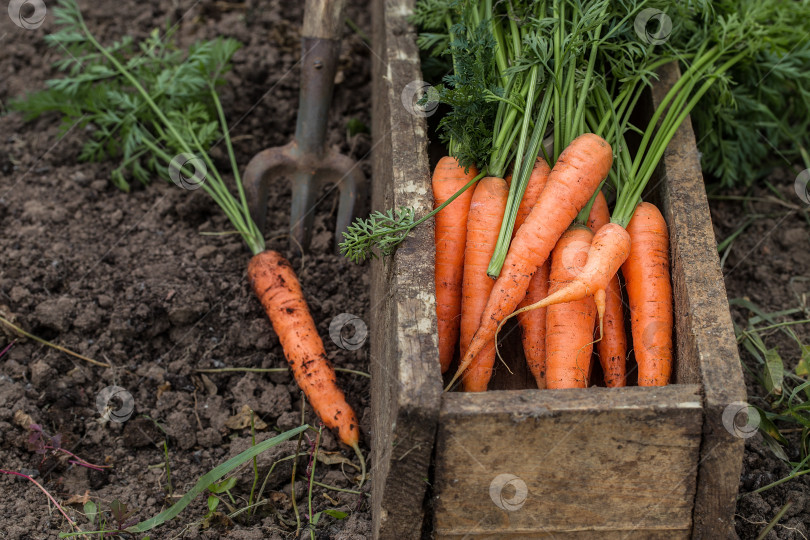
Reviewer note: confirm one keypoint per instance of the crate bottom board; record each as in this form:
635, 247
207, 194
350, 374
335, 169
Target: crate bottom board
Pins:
528, 462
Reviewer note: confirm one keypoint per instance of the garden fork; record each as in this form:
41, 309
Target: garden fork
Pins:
305, 160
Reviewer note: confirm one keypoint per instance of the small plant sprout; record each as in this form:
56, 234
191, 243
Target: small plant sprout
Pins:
44, 444
121, 513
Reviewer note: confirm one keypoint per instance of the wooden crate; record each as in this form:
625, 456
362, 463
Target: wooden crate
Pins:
622, 463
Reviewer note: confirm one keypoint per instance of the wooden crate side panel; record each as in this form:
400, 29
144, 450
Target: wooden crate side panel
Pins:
703, 325
406, 384
601, 459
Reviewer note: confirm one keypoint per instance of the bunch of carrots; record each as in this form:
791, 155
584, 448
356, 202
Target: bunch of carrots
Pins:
547, 90
560, 273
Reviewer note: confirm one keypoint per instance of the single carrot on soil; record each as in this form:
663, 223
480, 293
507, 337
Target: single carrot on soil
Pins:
569, 325
450, 236
649, 290
274, 282
573, 180
483, 224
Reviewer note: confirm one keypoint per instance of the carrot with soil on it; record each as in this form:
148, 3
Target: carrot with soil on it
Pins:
569, 325
450, 237
535, 186
570, 185
599, 216
533, 325
275, 284
649, 290
483, 223
612, 344
611, 337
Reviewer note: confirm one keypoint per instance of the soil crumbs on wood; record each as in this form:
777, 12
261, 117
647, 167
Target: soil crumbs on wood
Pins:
132, 280
769, 264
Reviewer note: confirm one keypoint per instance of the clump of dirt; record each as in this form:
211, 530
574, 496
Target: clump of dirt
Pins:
769, 264
134, 281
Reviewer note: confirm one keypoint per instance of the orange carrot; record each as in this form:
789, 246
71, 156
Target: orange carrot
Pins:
533, 324
612, 346
450, 236
274, 282
570, 185
535, 186
600, 215
649, 290
483, 226
612, 338
569, 325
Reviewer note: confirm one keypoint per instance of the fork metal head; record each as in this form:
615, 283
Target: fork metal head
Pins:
305, 160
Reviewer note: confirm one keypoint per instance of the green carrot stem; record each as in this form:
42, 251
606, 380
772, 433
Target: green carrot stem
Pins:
675, 116
520, 179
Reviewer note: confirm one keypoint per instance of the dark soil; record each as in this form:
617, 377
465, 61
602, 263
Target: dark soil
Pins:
769, 264
130, 279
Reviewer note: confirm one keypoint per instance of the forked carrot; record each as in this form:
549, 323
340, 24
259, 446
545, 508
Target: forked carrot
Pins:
609, 249
274, 282
611, 337
569, 325
486, 213
450, 234
533, 324
573, 180
649, 290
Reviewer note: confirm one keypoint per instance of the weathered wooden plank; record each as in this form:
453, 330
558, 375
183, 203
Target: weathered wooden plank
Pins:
703, 324
596, 459
406, 384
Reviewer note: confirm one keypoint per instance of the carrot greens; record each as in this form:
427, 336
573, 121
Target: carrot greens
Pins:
152, 106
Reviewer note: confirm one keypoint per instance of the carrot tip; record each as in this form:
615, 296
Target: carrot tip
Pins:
362, 459
599, 300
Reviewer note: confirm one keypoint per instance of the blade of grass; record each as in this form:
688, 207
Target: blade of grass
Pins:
775, 520
52, 345
211, 477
